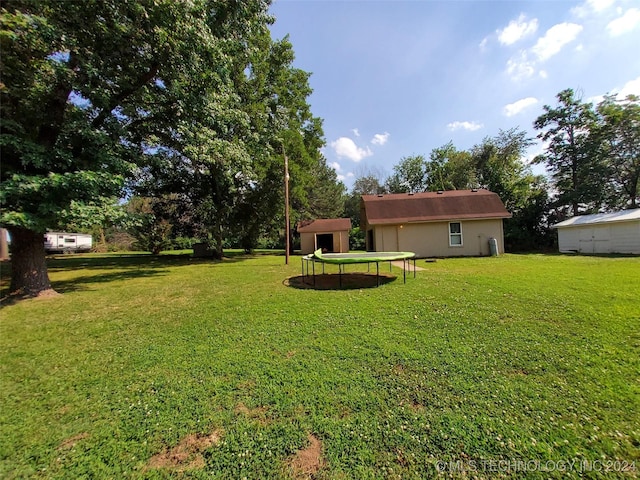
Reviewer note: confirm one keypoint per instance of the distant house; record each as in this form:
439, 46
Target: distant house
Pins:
329, 234
617, 232
435, 224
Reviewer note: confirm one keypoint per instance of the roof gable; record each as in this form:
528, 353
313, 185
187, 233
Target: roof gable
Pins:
433, 206
325, 225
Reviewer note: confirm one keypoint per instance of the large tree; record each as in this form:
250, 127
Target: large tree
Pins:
450, 169
618, 135
571, 156
500, 166
88, 87
237, 188
409, 176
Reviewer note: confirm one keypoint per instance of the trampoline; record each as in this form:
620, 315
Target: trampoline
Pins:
342, 259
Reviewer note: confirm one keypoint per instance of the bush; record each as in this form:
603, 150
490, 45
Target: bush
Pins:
182, 243
356, 239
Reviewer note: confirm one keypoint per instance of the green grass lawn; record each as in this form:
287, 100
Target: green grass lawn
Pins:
174, 367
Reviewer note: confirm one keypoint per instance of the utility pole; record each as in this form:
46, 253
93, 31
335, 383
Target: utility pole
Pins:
286, 206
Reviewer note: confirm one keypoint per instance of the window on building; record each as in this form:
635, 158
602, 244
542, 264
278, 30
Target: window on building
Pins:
455, 234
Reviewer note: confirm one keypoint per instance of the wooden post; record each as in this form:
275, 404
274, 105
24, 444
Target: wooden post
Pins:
4, 248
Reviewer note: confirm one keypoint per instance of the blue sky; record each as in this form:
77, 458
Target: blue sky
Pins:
398, 78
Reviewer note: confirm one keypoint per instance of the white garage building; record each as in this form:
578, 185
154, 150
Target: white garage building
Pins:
617, 232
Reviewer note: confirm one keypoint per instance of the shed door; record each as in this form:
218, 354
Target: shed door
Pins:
601, 239
325, 242
586, 240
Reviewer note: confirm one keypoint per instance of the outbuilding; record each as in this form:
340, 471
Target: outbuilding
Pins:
616, 232
329, 234
450, 223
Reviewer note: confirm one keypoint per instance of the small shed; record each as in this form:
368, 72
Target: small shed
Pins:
329, 234
616, 232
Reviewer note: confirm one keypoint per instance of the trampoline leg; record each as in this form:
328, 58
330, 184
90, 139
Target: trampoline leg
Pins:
340, 274
313, 267
377, 274
404, 271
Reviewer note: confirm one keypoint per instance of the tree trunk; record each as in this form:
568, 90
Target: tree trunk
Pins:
29, 276
219, 237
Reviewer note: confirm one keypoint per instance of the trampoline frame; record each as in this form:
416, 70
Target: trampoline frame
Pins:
342, 259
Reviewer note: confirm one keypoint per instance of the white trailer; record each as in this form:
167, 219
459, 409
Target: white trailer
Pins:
63, 242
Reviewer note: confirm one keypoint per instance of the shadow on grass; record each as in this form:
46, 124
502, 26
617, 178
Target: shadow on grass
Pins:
81, 283
121, 261
113, 267
350, 281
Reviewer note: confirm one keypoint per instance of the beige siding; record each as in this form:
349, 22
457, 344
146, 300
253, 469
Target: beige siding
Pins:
386, 238
432, 239
307, 243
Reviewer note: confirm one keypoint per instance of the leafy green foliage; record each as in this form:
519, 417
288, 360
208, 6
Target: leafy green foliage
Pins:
173, 98
408, 176
450, 169
500, 168
570, 156
618, 136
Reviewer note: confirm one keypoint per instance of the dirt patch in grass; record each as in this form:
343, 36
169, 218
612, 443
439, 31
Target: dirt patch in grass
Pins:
72, 441
187, 455
15, 297
258, 413
306, 462
408, 266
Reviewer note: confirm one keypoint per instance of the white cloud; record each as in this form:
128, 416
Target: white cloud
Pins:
346, 148
543, 74
470, 126
520, 68
356, 132
632, 87
342, 178
591, 6
335, 166
556, 37
516, 107
380, 138
517, 30
483, 44
625, 23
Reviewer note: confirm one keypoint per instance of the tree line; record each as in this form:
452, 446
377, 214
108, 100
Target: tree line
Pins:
591, 154
171, 120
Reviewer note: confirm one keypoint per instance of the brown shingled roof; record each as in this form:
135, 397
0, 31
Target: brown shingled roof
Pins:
433, 206
325, 225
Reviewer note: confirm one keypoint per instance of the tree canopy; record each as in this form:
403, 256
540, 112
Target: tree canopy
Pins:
187, 100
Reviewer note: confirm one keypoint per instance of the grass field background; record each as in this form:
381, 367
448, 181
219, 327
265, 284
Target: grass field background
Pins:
155, 367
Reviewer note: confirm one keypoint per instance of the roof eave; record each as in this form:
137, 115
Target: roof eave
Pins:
397, 221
